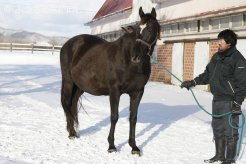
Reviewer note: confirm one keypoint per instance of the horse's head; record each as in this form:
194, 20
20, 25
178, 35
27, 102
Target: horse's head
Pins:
147, 34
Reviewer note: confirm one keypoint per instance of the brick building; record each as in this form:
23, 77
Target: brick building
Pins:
189, 29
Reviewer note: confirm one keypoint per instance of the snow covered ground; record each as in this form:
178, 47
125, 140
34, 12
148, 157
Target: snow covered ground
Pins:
171, 129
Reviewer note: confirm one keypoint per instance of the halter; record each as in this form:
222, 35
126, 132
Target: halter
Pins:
147, 44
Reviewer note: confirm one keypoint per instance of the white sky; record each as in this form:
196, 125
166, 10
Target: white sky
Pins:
55, 17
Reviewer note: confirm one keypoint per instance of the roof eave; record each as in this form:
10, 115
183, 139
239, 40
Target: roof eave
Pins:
108, 15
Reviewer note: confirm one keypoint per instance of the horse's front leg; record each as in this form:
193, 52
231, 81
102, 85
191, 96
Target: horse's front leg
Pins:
135, 98
114, 104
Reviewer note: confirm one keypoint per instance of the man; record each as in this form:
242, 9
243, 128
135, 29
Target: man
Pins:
226, 74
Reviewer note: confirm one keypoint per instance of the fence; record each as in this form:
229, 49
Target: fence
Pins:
29, 47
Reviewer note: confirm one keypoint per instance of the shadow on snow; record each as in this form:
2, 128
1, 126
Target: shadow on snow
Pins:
18, 77
152, 114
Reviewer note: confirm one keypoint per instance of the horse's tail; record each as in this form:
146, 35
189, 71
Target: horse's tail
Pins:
69, 91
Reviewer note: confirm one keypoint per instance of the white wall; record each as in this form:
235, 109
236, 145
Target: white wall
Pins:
174, 9
114, 22
201, 59
170, 9
241, 46
177, 62
145, 4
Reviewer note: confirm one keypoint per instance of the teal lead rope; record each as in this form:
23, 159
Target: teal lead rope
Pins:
230, 121
213, 115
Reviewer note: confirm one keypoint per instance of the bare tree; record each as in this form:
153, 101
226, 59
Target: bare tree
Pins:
53, 41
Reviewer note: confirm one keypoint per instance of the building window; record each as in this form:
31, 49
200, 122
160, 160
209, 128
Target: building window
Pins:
224, 22
237, 20
187, 27
205, 25
181, 28
244, 19
174, 28
215, 23
167, 29
193, 26
110, 37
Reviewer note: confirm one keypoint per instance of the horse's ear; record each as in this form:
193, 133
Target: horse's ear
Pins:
141, 13
153, 12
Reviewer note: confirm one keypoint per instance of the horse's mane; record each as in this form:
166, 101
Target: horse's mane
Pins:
129, 31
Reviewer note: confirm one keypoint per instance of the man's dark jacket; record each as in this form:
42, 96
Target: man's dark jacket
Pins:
226, 74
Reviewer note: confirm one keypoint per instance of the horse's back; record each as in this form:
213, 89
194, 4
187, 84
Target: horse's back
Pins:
78, 42
76, 47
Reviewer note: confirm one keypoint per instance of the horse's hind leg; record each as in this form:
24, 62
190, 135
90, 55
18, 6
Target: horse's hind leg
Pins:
69, 98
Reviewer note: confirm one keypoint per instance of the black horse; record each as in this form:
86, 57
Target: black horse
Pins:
93, 65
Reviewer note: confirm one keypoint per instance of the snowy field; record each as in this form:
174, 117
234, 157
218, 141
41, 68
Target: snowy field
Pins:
171, 129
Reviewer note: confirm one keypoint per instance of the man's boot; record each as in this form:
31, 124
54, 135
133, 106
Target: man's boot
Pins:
231, 152
219, 151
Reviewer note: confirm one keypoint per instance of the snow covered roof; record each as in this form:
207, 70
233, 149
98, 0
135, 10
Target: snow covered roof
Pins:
113, 6
158, 1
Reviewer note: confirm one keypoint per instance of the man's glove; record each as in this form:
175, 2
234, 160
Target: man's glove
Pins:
188, 84
236, 108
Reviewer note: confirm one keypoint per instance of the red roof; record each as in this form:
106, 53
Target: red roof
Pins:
113, 6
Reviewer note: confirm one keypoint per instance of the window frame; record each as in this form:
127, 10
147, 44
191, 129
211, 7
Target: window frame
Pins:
241, 22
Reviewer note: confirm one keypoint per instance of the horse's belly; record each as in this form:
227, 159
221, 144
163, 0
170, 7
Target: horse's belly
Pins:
95, 90
135, 84
91, 85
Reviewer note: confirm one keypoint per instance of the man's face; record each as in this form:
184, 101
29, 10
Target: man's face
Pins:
223, 45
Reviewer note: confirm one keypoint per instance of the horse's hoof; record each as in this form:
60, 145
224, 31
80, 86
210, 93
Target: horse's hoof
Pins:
136, 151
112, 149
72, 137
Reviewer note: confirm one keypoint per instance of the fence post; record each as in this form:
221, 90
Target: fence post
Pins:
32, 48
11, 47
53, 49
